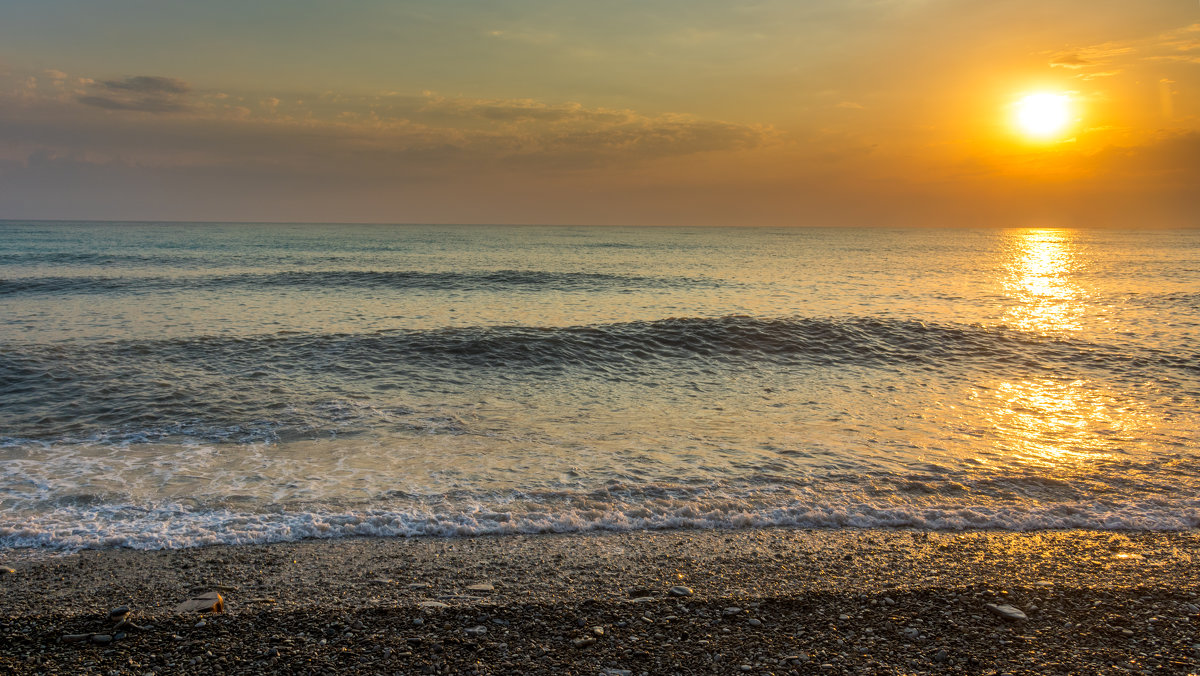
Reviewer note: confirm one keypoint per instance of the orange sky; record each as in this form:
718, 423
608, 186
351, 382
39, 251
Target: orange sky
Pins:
856, 112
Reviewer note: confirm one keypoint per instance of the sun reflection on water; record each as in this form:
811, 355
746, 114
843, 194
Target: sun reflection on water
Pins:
1055, 423
1040, 265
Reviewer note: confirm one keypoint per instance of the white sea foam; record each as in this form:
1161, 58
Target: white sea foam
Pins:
173, 525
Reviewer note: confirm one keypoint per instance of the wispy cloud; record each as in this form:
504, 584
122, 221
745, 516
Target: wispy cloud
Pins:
143, 93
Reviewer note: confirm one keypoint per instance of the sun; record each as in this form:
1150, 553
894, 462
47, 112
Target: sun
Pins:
1044, 116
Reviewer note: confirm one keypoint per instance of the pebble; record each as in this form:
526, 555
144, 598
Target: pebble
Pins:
843, 617
482, 587
617, 672
680, 590
598, 631
941, 656
101, 639
1006, 611
476, 631
584, 642
755, 622
75, 638
433, 604
732, 610
118, 613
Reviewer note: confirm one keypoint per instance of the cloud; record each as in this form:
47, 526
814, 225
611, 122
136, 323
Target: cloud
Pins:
148, 84
1072, 61
142, 93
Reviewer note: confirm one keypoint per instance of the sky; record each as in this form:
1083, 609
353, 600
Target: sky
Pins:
782, 113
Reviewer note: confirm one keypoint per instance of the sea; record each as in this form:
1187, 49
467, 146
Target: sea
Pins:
170, 385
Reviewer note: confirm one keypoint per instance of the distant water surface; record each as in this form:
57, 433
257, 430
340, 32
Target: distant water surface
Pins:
169, 385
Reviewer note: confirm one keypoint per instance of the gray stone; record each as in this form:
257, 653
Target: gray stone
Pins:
101, 639
482, 587
584, 642
1007, 612
755, 622
731, 610
680, 590
118, 613
598, 631
476, 631
433, 604
75, 638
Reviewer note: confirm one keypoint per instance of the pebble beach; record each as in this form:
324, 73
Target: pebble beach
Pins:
762, 601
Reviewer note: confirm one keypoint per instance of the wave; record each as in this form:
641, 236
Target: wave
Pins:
353, 279
87, 522
129, 386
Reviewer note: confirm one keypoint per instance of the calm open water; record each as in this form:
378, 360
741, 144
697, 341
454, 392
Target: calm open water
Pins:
182, 384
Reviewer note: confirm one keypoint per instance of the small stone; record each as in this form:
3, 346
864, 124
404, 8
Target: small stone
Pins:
118, 613
641, 593
755, 622
200, 624
584, 642
888, 601
482, 587
1006, 611
1127, 632
418, 621
419, 585
479, 630
941, 656
433, 604
208, 602
617, 672
382, 581
731, 610
745, 667
75, 638
119, 635
680, 590
843, 617
101, 639
1043, 583
5, 570
598, 631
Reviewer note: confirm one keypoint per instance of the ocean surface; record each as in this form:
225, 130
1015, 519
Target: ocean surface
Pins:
173, 385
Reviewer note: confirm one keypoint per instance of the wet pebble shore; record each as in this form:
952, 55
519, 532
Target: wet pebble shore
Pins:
771, 601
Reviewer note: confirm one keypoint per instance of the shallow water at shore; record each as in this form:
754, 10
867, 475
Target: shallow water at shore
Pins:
184, 384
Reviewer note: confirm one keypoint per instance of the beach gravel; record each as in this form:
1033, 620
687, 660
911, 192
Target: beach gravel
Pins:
766, 601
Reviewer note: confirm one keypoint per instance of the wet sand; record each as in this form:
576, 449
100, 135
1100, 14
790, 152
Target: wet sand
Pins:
771, 601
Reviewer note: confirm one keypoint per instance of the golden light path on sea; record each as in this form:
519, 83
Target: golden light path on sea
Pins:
1051, 422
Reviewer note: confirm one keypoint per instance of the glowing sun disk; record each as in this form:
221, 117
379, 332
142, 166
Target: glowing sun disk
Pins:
1043, 115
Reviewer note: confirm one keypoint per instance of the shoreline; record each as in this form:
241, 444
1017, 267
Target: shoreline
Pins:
761, 601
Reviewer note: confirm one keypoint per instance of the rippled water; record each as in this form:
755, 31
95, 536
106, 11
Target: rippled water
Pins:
173, 385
